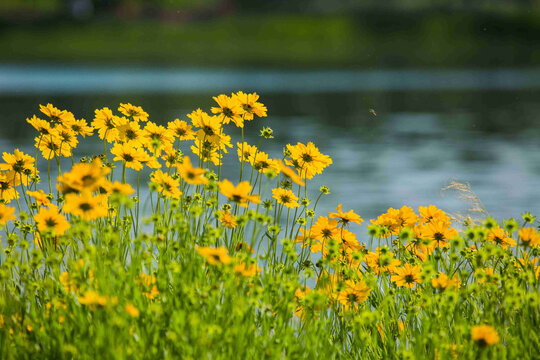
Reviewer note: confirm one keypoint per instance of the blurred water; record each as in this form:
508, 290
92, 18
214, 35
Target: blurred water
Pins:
431, 127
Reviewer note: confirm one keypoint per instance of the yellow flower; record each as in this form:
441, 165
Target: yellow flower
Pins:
214, 256
130, 155
7, 187
150, 161
346, 218
407, 276
118, 188
207, 152
499, 237
353, 293
53, 113
181, 130
324, 229
263, 163
210, 125
247, 270
238, 194
42, 126
86, 205
51, 220
6, 214
290, 173
40, 197
167, 186
132, 310
157, 137
191, 175
285, 197
307, 159
529, 237
172, 157
484, 335
51, 146
149, 285
248, 152
84, 177
92, 299
135, 112
439, 232
228, 110
105, 123
130, 133
66, 137
80, 127
227, 219
381, 261
442, 282
249, 105
21, 164
432, 214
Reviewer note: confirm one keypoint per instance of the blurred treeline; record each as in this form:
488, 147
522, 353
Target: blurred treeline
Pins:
273, 33
181, 9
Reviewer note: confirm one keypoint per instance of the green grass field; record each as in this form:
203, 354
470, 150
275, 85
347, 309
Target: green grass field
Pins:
186, 264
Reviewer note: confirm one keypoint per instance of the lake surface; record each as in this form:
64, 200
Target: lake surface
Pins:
480, 127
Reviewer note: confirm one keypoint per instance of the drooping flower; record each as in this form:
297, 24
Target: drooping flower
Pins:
290, 173
40, 197
239, 194
42, 126
55, 114
346, 218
